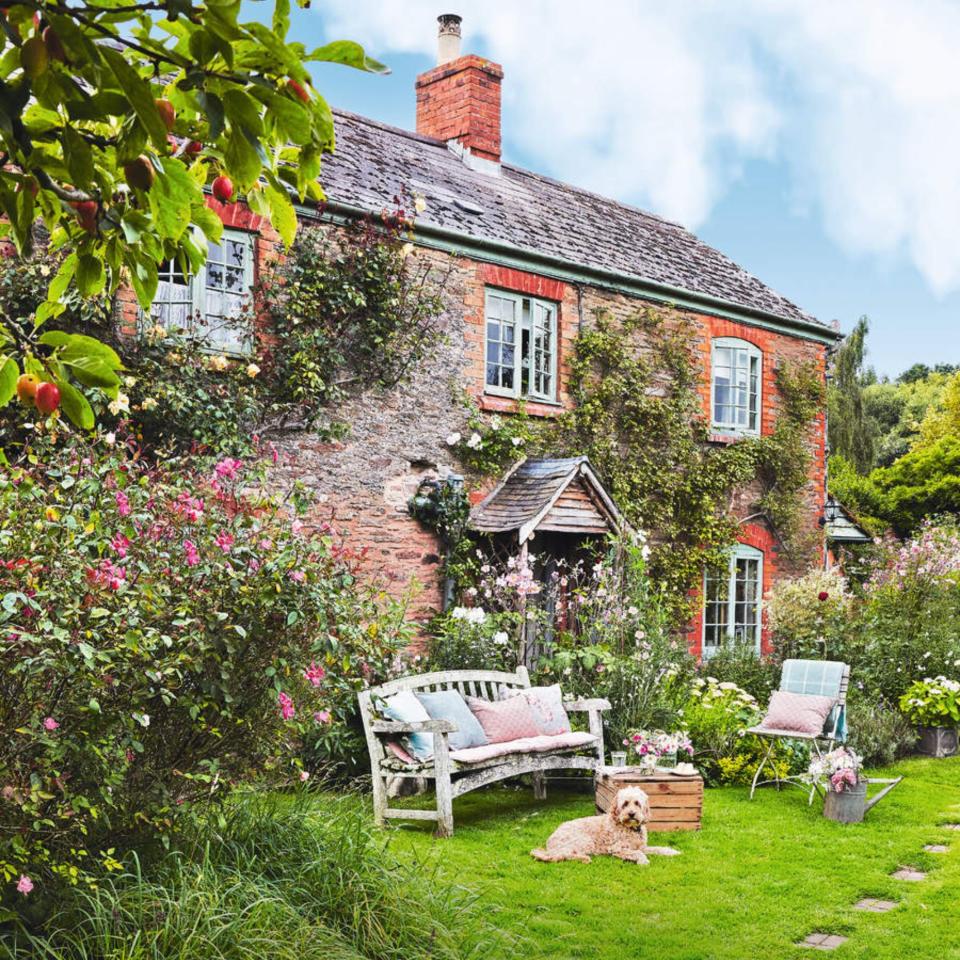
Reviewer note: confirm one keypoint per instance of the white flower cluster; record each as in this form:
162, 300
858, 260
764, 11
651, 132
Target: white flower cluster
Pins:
475, 615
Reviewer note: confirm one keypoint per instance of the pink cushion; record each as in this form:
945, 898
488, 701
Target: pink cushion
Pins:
563, 741
504, 719
547, 706
797, 712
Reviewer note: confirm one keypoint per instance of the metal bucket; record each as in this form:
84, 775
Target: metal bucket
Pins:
937, 741
848, 806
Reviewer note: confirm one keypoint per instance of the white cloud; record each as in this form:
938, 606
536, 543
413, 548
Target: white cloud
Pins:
661, 104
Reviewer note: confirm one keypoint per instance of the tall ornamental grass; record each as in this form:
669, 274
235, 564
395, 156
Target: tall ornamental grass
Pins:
276, 879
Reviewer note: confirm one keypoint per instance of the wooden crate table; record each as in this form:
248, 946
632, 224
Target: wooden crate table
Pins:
676, 803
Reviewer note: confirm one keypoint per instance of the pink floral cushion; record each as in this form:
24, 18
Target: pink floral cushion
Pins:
797, 712
562, 741
547, 706
504, 719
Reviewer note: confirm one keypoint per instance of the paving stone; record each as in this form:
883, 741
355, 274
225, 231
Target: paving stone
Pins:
822, 941
936, 848
874, 906
909, 873
951, 826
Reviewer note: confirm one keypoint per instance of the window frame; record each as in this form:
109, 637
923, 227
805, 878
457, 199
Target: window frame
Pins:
197, 284
516, 392
754, 353
742, 551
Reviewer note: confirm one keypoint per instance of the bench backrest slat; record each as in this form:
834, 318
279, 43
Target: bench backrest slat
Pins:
488, 684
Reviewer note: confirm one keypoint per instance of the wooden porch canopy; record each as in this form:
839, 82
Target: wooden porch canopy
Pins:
562, 495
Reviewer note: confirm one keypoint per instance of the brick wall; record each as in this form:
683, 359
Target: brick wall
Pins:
397, 437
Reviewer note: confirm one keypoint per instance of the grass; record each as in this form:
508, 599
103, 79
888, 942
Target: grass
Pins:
757, 879
280, 879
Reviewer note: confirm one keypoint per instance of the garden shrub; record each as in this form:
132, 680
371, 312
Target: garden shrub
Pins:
469, 638
716, 715
907, 625
757, 675
289, 879
878, 731
809, 616
162, 635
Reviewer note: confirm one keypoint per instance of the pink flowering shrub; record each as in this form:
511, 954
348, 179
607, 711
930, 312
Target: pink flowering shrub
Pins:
163, 635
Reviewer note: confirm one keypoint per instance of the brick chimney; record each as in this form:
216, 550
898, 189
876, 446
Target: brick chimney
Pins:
459, 99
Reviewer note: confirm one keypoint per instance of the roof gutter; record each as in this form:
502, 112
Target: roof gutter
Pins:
557, 268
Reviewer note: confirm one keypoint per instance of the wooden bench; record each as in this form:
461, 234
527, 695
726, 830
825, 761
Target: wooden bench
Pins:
451, 779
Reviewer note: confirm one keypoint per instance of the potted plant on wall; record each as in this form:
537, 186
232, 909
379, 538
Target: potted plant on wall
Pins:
934, 706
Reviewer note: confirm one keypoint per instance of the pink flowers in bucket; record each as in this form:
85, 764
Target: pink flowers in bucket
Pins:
839, 769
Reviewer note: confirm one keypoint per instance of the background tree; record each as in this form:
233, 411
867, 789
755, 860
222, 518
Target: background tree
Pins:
852, 433
114, 119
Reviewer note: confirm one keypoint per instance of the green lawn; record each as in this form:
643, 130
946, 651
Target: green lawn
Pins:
759, 877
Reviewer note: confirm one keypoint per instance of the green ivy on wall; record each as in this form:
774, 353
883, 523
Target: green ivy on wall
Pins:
638, 415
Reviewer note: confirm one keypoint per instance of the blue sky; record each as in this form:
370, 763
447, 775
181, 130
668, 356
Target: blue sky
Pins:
816, 144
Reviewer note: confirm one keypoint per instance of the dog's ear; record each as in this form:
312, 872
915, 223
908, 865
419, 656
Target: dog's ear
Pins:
646, 808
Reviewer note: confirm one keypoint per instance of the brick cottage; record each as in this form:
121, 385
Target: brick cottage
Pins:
529, 261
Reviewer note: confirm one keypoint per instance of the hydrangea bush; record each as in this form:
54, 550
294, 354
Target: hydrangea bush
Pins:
162, 635
809, 615
932, 702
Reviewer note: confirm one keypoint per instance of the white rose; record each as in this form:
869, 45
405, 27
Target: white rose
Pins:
120, 405
252, 370
475, 441
109, 439
501, 637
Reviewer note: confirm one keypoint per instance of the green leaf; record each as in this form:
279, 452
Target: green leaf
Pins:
212, 106
63, 277
243, 162
78, 157
348, 53
282, 214
143, 276
208, 222
243, 111
91, 276
75, 405
139, 94
9, 371
93, 372
172, 197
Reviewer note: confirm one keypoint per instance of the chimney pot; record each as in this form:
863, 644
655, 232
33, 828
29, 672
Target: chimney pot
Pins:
448, 37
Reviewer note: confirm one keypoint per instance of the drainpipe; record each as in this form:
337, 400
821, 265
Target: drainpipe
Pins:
454, 481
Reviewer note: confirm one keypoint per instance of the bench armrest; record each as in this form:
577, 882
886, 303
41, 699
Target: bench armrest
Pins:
597, 703
413, 726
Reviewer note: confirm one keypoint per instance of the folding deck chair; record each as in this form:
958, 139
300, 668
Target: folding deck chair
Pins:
825, 678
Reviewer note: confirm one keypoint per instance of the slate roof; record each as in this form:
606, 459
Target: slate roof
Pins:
841, 527
374, 163
527, 490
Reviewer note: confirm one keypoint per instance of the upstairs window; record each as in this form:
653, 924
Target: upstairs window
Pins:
731, 601
520, 346
210, 304
736, 368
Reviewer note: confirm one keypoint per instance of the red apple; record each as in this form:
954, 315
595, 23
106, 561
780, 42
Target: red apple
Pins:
167, 114
47, 398
193, 148
140, 173
223, 189
54, 46
86, 214
298, 90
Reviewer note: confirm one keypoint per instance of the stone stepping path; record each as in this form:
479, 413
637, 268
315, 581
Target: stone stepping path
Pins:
875, 906
822, 941
909, 873
830, 941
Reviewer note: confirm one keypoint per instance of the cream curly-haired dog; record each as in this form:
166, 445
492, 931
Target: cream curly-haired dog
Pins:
621, 832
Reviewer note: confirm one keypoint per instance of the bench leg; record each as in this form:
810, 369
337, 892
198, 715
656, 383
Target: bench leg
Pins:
379, 798
444, 787
539, 786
